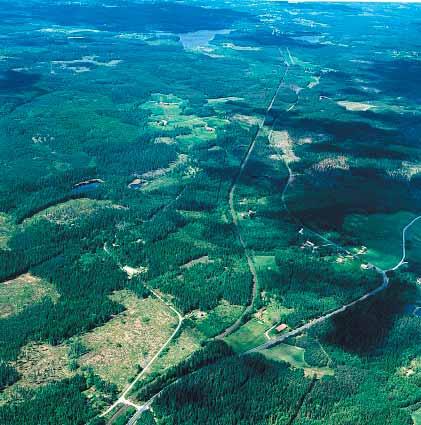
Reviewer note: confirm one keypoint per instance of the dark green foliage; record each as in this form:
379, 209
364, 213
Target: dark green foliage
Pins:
367, 388
58, 403
213, 352
83, 303
76, 349
59, 127
168, 255
365, 328
309, 282
137, 286
202, 286
12, 264
336, 400
314, 355
162, 224
8, 375
242, 390
104, 387
146, 419
125, 417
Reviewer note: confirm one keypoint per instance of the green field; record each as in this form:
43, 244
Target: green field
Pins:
248, 336
295, 357
382, 235
209, 164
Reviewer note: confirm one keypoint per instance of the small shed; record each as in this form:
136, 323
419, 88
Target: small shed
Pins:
281, 327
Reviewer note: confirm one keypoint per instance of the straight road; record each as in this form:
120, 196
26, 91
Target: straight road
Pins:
234, 213
313, 322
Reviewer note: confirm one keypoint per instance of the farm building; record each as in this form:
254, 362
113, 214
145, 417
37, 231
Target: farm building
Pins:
281, 327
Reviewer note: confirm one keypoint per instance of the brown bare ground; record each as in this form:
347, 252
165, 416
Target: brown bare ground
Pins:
130, 338
18, 293
41, 363
202, 260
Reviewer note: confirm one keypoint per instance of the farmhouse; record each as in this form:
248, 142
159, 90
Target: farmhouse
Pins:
281, 327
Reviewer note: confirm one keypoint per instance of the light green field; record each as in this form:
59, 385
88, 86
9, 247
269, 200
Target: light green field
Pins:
265, 262
295, 357
180, 347
167, 113
273, 314
248, 336
382, 235
416, 417
287, 353
16, 294
130, 338
220, 318
69, 212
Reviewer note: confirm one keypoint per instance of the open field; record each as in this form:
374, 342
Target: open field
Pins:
187, 342
248, 336
265, 262
41, 363
25, 290
38, 365
71, 212
382, 235
206, 169
295, 357
129, 339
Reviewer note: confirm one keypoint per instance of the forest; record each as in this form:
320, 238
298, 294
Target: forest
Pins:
182, 182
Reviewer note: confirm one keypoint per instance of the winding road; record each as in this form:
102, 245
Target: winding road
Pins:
140, 409
385, 280
281, 338
402, 261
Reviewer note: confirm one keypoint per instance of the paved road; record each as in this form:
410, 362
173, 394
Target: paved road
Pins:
250, 263
402, 261
313, 322
142, 409
281, 338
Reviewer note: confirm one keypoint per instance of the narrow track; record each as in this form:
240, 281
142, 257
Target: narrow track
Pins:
302, 400
234, 214
122, 399
313, 322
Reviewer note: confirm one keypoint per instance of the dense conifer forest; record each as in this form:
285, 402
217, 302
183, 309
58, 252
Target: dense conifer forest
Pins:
209, 213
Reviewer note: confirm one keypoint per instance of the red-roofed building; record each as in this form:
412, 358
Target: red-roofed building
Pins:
281, 327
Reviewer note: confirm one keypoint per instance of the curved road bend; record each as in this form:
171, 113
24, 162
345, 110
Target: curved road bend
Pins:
311, 323
402, 261
122, 399
143, 408
234, 214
